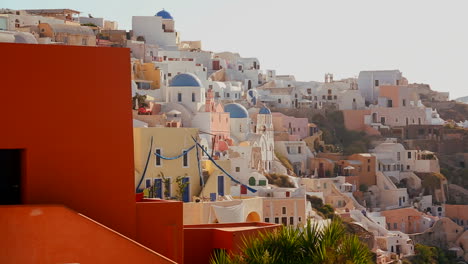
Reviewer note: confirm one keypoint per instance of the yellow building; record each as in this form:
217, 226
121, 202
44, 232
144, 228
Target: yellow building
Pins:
146, 75
217, 183
160, 177
68, 34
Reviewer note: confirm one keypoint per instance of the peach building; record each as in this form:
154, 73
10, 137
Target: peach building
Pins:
288, 128
458, 213
285, 206
407, 220
397, 96
355, 120
364, 165
336, 192
322, 167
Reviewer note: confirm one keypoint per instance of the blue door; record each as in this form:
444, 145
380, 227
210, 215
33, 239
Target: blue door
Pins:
221, 185
148, 183
158, 184
212, 197
186, 193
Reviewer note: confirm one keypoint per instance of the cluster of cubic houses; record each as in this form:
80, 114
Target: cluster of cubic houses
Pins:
212, 130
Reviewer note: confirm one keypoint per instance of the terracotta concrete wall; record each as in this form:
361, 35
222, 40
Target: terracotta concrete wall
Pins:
160, 227
198, 245
55, 234
73, 153
202, 240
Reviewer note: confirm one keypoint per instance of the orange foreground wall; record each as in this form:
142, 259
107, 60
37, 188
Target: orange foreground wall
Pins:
160, 226
69, 109
201, 240
57, 239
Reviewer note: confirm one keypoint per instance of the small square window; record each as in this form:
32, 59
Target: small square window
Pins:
237, 169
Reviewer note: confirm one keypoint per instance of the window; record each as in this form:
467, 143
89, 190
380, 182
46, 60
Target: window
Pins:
288, 150
284, 220
148, 183
335, 97
388, 226
84, 42
404, 102
409, 155
291, 220
267, 220
299, 219
169, 74
408, 167
216, 94
158, 159
323, 97
185, 159
279, 101
368, 168
376, 83
179, 97
395, 226
276, 220
299, 150
237, 169
284, 210
390, 103
398, 156
382, 120
404, 198
227, 95
193, 97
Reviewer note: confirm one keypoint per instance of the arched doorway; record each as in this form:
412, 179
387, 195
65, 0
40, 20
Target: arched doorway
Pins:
253, 217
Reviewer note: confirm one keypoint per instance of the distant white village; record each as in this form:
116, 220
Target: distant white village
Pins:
237, 143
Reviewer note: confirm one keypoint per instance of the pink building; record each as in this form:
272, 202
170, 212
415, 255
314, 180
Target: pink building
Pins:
407, 220
214, 121
288, 128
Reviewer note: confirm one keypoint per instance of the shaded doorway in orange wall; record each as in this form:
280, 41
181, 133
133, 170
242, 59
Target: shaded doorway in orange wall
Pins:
10, 176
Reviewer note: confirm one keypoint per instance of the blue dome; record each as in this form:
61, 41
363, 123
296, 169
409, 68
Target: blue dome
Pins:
186, 79
164, 14
264, 111
236, 111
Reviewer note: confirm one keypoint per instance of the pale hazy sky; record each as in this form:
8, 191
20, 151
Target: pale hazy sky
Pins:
426, 40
